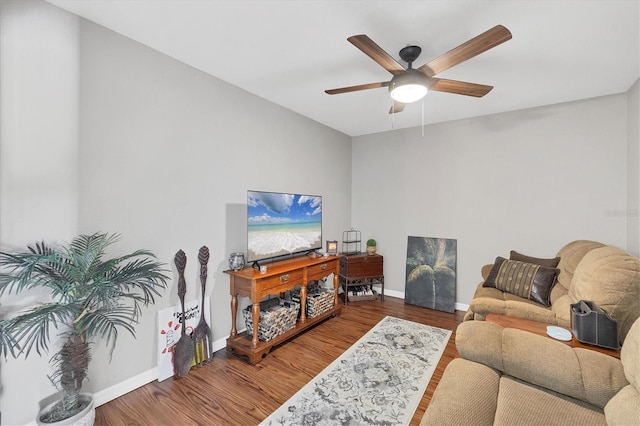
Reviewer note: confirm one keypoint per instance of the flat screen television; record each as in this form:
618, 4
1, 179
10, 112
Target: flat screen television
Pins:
281, 224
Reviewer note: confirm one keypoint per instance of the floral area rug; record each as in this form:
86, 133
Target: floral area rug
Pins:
379, 380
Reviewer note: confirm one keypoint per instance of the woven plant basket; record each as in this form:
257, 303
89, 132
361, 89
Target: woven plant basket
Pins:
318, 304
275, 319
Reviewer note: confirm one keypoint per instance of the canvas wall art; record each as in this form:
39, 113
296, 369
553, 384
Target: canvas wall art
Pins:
170, 323
431, 273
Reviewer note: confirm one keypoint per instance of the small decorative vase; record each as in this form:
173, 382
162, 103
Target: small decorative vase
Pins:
371, 250
236, 261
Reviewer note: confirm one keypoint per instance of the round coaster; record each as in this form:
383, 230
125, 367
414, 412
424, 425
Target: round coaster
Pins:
559, 333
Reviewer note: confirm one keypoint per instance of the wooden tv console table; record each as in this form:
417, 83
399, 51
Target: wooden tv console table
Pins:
280, 277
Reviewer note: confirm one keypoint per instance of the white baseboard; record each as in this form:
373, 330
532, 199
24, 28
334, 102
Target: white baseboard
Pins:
149, 376
138, 381
394, 293
462, 307
400, 295
125, 387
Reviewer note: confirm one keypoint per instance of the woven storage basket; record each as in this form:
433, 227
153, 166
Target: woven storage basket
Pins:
319, 303
276, 318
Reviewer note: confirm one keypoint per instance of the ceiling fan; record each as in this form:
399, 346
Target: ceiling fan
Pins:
410, 85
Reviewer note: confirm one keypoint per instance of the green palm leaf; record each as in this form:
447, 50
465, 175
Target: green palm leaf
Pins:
31, 328
7, 341
90, 298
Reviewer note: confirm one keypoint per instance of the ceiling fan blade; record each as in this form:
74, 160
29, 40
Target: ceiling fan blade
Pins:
397, 107
459, 87
375, 52
485, 41
356, 88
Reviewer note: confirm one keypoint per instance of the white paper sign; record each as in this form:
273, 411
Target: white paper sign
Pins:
170, 330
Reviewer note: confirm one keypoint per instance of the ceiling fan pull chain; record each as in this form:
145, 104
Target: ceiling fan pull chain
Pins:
423, 117
393, 115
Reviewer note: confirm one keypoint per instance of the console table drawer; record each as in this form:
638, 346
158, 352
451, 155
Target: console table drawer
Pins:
320, 271
285, 279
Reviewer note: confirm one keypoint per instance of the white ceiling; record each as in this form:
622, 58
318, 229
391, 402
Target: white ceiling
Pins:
289, 51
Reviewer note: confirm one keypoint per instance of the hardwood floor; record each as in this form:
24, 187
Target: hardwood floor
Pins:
230, 391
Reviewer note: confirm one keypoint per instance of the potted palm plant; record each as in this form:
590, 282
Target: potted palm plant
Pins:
91, 298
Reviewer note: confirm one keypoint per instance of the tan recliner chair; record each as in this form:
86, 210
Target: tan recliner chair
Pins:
511, 377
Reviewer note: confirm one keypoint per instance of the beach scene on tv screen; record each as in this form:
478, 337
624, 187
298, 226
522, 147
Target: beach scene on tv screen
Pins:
280, 224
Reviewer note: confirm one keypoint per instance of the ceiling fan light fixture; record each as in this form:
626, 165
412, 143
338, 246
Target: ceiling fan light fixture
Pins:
409, 87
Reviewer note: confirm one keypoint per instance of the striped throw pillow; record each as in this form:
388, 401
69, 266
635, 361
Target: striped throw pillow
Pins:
523, 279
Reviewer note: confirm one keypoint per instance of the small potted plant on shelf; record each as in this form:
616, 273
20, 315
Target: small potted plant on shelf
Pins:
90, 299
371, 246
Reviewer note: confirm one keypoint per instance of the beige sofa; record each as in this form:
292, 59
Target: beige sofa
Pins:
512, 377
588, 270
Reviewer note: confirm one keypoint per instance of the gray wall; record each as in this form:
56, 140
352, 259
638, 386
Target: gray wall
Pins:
530, 180
633, 166
168, 154
38, 162
138, 143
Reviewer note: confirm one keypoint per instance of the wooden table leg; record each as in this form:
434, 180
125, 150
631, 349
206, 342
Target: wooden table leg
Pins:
255, 313
234, 312
303, 303
335, 291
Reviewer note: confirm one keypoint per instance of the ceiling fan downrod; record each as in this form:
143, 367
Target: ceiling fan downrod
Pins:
410, 54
